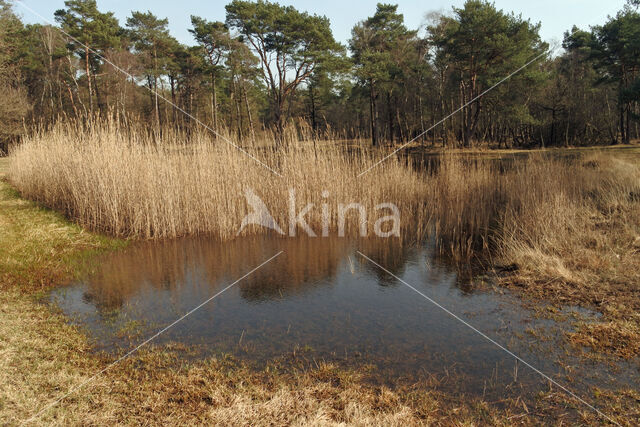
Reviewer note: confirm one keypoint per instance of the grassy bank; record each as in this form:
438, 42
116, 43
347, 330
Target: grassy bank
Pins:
583, 251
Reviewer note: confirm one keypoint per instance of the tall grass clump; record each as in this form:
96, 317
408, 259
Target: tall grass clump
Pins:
134, 185
578, 229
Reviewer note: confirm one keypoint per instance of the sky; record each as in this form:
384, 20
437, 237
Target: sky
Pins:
556, 16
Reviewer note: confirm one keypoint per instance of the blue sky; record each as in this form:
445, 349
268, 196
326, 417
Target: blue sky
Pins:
556, 15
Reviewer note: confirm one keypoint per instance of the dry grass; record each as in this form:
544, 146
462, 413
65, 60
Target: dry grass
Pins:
582, 247
570, 228
131, 184
42, 357
124, 184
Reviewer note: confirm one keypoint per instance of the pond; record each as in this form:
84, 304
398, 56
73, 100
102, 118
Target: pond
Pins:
320, 300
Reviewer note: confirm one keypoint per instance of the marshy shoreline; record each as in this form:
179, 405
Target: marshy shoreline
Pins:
572, 239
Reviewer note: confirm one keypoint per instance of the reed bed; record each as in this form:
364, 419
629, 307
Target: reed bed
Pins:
596, 214
134, 184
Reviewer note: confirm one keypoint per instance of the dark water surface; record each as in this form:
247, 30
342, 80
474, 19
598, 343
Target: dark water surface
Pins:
321, 301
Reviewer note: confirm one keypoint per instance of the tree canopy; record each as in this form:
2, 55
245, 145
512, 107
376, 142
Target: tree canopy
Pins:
289, 43
92, 31
273, 69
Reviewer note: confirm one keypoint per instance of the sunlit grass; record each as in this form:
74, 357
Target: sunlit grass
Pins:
570, 228
125, 184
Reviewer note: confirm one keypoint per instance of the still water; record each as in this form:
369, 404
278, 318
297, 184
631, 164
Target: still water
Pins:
321, 301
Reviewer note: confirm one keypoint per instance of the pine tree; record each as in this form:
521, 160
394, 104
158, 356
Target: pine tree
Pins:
91, 31
151, 38
215, 41
290, 45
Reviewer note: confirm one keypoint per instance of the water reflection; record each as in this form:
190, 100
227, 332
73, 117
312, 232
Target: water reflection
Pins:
306, 262
319, 300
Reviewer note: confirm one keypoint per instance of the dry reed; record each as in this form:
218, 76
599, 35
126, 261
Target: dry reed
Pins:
570, 227
125, 184
132, 184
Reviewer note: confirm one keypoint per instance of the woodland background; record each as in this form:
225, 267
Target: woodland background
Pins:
273, 68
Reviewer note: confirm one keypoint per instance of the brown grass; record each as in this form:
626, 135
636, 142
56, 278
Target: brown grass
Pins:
570, 229
126, 185
582, 247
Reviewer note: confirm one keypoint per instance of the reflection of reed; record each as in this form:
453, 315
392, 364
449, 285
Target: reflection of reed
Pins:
304, 263
392, 253
169, 264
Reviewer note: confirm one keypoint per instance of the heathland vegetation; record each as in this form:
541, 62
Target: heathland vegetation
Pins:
561, 229
567, 222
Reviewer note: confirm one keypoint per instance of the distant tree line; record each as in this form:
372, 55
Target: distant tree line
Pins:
270, 66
